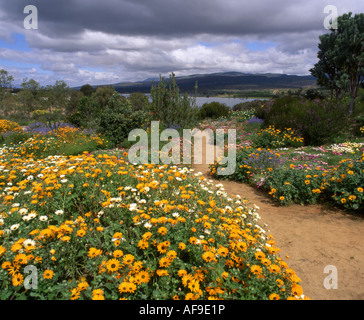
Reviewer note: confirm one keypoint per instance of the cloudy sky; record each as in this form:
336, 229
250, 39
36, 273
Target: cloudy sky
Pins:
110, 41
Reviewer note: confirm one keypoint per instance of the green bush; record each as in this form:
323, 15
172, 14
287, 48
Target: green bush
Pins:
119, 118
213, 110
318, 122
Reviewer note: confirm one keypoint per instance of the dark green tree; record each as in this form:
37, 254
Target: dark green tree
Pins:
341, 58
87, 90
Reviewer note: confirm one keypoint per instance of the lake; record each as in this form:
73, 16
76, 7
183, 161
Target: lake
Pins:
230, 102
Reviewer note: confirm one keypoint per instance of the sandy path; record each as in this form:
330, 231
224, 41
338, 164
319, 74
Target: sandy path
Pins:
313, 237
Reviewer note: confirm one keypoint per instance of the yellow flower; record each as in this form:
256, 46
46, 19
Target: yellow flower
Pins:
93, 252
112, 265
274, 296
181, 246
17, 279
128, 259
255, 269
162, 230
208, 256
296, 289
194, 286
48, 274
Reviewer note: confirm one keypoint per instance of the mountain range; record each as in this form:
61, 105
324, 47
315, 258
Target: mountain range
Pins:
232, 81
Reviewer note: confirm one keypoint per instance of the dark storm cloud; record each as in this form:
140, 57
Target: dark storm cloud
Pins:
168, 18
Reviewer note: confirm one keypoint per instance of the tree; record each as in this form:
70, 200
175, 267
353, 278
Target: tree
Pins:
139, 101
6, 81
60, 94
341, 58
29, 94
87, 90
170, 106
86, 114
103, 95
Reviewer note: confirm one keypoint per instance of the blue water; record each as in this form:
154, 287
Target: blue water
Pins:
230, 102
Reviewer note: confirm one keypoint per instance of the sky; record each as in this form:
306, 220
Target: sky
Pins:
110, 41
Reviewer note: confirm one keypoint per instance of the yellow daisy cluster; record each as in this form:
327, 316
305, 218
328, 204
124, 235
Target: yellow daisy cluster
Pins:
6, 125
281, 138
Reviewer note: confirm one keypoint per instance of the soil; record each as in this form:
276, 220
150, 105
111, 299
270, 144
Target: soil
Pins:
312, 240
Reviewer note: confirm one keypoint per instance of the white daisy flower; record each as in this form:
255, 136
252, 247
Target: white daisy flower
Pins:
14, 227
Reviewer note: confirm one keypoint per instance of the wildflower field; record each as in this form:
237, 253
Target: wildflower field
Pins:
95, 226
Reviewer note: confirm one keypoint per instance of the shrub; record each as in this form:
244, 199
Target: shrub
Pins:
318, 122
213, 110
43, 141
249, 105
119, 118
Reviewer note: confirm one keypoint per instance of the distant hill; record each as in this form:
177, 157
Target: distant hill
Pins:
213, 82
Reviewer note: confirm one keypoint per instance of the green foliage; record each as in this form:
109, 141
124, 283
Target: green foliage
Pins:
119, 118
15, 138
87, 114
102, 95
139, 101
318, 122
341, 58
170, 107
29, 95
87, 90
213, 110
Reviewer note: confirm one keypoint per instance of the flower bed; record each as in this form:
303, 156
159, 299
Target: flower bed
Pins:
293, 173
97, 227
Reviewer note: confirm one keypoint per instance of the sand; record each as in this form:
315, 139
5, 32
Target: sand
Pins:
317, 240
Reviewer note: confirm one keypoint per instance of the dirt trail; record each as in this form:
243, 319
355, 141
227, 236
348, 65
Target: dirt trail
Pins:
313, 237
